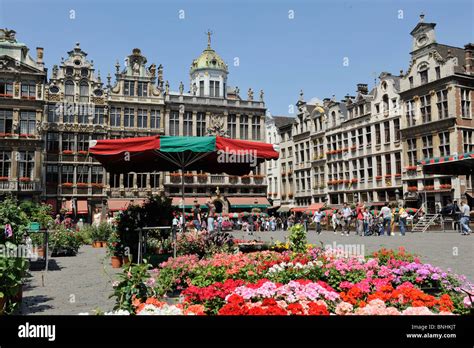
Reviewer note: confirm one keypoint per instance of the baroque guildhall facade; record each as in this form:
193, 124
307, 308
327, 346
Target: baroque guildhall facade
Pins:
46, 126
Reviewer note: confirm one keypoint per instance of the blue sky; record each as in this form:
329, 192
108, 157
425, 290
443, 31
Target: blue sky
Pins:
277, 54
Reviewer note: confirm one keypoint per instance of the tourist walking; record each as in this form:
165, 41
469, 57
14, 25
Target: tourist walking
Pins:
367, 220
335, 220
318, 215
211, 208
402, 220
197, 216
251, 225
386, 214
360, 219
465, 217
346, 218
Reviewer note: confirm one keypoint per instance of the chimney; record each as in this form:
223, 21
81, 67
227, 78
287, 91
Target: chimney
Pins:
469, 58
326, 102
362, 88
39, 55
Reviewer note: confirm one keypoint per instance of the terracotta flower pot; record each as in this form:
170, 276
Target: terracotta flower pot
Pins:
116, 261
103, 244
96, 244
125, 260
39, 251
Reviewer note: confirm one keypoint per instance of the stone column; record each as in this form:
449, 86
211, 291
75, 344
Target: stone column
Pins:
251, 126
237, 126
194, 133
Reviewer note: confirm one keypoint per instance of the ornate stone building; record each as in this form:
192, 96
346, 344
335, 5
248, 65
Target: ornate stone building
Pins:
22, 81
46, 127
436, 93
75, 113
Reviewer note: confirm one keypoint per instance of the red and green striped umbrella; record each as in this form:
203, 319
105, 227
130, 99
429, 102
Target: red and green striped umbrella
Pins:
411, 210
211, 154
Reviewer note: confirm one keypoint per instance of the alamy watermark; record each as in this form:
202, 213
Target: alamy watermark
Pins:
346, 250
237, 156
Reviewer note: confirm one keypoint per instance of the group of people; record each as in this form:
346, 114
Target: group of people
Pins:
460, 213
202, 220
364, 221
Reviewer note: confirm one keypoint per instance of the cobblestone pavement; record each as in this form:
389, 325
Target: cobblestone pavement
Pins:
442, 249
73, 285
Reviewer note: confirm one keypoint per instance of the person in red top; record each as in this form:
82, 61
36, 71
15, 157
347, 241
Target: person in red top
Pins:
360, 219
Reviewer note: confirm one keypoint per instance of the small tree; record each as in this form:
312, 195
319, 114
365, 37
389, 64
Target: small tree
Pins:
298, 238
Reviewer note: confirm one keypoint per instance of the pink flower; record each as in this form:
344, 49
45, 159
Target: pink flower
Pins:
344, 308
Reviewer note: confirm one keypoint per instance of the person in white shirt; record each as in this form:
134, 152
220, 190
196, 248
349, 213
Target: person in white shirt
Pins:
317, 219
346, 218
335, 221
386, 213
465, 217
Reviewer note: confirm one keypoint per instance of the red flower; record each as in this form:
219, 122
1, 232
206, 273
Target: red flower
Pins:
317, 309
295, 309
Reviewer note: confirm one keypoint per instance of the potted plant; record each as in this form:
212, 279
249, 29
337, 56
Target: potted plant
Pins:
115, 250
12, 272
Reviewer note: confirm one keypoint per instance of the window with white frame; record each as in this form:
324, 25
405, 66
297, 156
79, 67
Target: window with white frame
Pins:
155, 121
201, 124
466, 103
97, 174
129, 117
84, 92
6, 88
129, 88
26, 162
67, 174
69, 91
244, 127
142, 118
99, 115
28, 89
188, 123
442, 103
410, 112
174, 122
427, 146
6, 121
411, 153
256, 127
115, 116
5, 164
444, 148
232, 125
468, 140
425, 108
142, 89
82, 141
68, 142
27, 122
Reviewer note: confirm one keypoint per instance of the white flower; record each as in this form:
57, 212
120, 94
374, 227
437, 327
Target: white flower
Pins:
118, 312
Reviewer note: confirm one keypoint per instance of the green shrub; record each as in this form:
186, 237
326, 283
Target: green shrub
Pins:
64, 241
298, 238
12, 271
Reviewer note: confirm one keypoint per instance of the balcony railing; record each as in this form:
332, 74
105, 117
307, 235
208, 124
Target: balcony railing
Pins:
29, 186
215, 179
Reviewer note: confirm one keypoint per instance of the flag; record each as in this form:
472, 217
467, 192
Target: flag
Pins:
8, 230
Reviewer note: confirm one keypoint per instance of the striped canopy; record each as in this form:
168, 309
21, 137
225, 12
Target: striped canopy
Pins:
211, 154
462, 164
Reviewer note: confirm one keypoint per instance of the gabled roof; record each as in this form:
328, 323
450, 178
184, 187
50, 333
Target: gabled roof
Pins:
420, 26
281, 121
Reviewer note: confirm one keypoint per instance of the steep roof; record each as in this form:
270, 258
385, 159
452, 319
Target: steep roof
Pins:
281, 121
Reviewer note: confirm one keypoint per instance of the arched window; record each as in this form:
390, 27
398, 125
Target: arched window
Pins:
333, 115
84, 92
69, 90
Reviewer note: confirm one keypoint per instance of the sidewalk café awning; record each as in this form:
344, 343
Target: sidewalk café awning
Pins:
299, 209
82, 207
249, 202
313, 207
122, 204
67, 205
285, 208
189, 202
462, 164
